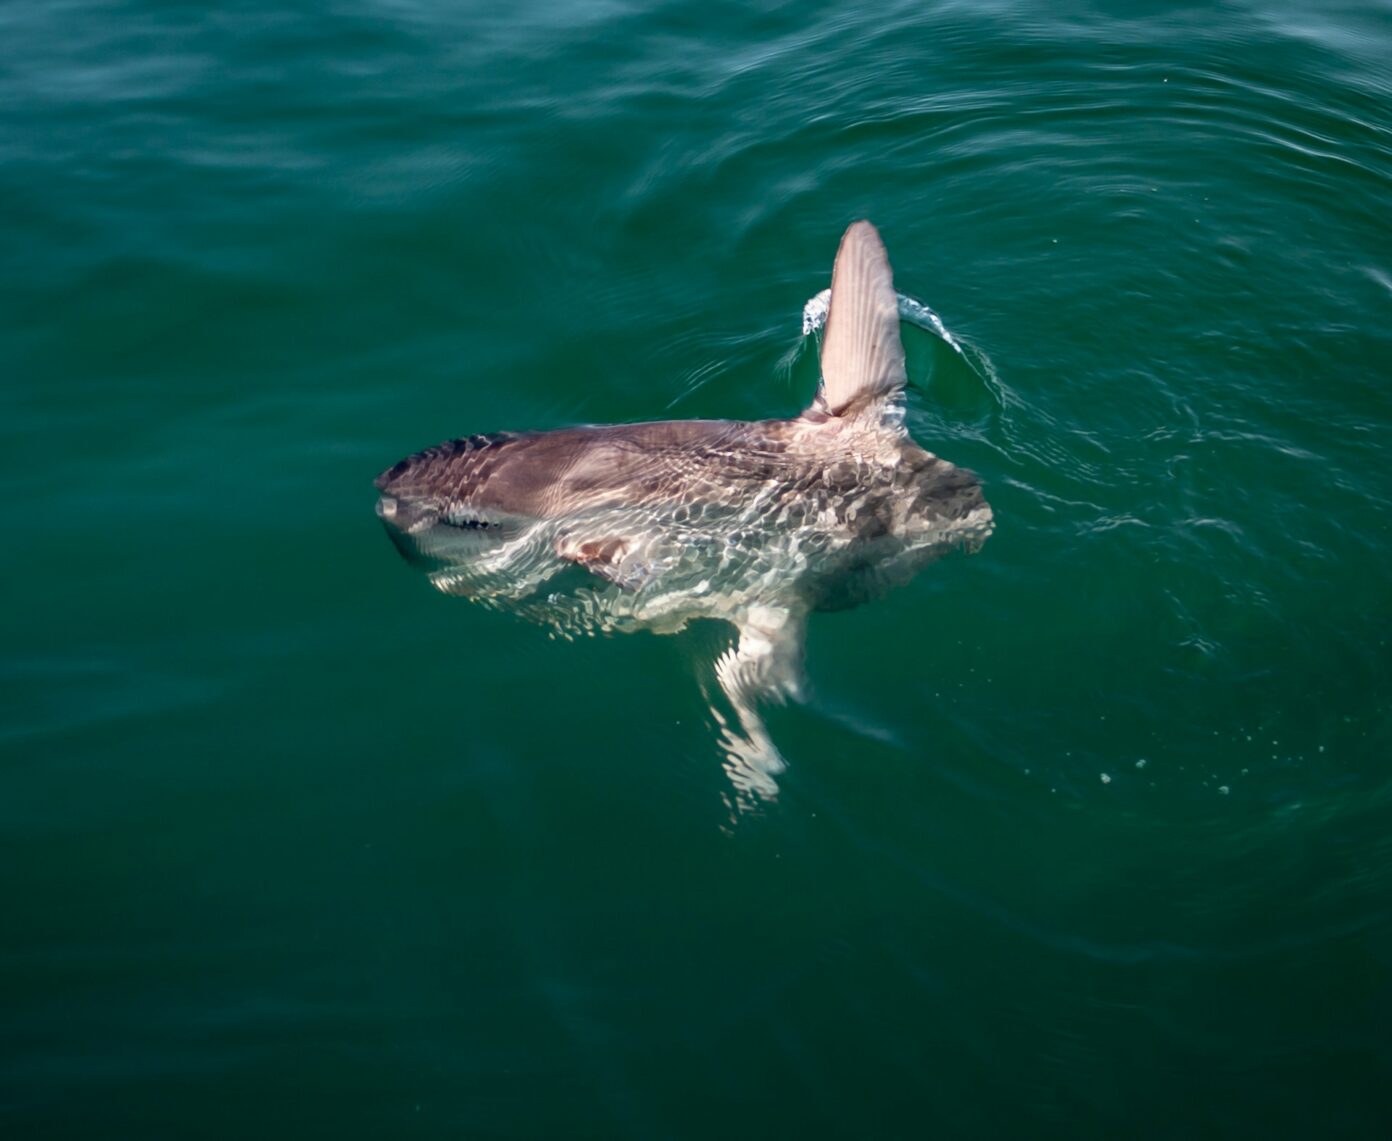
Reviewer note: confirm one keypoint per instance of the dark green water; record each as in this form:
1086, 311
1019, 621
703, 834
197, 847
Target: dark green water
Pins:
1088, 835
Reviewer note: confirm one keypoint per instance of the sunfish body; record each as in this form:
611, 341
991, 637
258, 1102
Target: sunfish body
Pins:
648, 526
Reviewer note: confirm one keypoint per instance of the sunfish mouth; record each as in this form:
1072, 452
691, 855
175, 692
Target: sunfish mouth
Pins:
404, 516
435, 536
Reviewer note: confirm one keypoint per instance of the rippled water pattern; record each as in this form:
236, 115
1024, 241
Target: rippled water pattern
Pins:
1084, 836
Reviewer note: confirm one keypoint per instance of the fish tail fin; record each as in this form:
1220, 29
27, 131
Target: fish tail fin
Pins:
862, 355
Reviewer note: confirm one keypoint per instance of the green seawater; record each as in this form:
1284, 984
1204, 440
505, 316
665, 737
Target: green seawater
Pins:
1087, 835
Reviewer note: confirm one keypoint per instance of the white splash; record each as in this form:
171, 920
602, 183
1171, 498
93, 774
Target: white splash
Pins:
814, 315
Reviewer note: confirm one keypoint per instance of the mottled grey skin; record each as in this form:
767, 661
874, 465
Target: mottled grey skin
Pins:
648, 526
830, 479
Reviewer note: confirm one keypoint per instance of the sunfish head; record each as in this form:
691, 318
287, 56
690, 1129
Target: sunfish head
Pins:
429, 504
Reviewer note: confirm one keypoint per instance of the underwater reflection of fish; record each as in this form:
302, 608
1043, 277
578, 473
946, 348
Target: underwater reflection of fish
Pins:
648, 526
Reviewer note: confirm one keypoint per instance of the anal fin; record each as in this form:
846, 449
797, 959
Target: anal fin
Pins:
763, 666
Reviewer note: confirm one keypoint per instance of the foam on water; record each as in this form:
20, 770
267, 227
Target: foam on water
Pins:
814, 315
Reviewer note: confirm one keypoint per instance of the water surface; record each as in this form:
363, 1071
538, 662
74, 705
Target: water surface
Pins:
1086, 835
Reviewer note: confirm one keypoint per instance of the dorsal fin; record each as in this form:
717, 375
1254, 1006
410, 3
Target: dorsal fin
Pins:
862, 355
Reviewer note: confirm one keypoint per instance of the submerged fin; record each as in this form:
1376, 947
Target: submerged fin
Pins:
766, 663
862, 355
763, 666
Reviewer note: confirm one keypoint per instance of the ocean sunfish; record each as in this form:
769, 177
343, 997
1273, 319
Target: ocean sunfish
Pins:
649, 526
